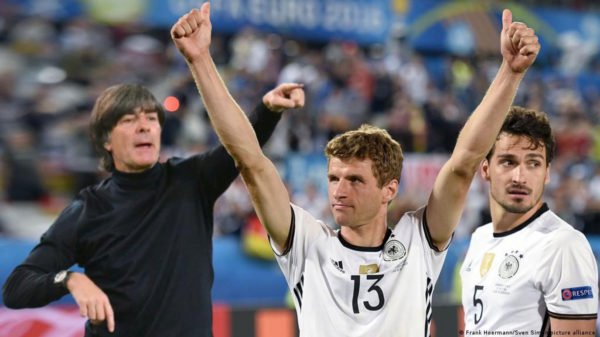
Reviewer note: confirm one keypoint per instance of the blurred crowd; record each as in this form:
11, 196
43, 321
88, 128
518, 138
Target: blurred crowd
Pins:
51, 73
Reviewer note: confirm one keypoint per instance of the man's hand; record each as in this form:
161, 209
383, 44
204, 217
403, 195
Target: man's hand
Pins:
191, 33
518, 44
92, 301
285, 96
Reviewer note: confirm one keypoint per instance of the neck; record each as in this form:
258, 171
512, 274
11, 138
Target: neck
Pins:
504, 221
367, 235
127, 169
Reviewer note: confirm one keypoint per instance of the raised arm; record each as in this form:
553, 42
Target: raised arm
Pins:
192, 35
519, 47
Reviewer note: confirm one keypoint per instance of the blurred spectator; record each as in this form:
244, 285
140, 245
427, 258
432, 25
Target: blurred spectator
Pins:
51, 71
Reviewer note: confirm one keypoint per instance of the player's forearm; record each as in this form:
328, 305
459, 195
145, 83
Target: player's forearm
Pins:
28, 288
482, 127
229, 121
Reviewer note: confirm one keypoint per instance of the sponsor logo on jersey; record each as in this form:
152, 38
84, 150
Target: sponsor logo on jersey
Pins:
368, 269
486, 263
338, 265
577, 293
393, 250
510, 265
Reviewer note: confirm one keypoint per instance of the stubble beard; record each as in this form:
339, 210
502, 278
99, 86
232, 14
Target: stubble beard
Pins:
519, 208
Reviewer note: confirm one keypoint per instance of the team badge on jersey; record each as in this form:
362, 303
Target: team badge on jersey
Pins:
486, 263
393, 250
510, 265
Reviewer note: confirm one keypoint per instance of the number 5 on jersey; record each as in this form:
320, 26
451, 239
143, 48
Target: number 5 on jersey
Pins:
374, 287
476, 302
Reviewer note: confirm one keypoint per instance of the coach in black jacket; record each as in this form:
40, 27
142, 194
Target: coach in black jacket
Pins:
143, 235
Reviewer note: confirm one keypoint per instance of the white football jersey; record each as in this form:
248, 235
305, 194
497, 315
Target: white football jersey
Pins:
344, 290
513, 282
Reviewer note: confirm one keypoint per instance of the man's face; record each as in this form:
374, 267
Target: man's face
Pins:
354, 197
517, 174
135, 141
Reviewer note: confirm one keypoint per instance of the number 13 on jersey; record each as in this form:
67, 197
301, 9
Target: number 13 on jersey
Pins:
373, 279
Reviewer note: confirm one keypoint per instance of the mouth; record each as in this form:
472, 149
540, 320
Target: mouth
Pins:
340, 206
144, 146
518, 192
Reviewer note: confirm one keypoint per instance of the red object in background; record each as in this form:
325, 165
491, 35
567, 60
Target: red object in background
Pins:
275, 323
221, 320
171, 103
52, 321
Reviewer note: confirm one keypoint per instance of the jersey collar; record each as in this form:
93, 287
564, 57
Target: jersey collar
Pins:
365, 249
536, 215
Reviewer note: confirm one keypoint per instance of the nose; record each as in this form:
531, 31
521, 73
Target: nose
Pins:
143, 124
339, 189
517, 175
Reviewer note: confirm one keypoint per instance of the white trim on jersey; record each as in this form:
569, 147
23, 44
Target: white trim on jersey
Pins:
515, 281
344, 290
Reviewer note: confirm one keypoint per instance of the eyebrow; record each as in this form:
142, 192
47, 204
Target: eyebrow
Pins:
355, 176
529, 155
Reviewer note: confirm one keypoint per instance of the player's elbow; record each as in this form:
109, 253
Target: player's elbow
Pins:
252, 166
9, 296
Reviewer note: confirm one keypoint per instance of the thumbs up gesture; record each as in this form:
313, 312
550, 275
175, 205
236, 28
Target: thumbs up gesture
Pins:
191, 33
518, 43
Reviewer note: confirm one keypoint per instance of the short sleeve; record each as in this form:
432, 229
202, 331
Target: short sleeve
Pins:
568, 275
434, 258
304, 232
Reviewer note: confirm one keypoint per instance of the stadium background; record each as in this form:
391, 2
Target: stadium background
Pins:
417, 68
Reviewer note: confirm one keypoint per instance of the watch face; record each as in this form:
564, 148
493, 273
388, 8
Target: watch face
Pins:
60, 276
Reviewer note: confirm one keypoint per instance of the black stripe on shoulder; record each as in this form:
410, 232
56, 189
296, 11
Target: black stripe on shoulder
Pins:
298, 292
428, 234
567, 316
290, 238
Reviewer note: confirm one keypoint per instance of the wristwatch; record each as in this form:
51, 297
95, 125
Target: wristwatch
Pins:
62, 277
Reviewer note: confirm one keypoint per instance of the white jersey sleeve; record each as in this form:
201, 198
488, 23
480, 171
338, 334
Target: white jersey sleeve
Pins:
305, 230
433, 256
569, 277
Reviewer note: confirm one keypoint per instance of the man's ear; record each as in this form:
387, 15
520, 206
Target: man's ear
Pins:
107, 145
391, 189
485, 170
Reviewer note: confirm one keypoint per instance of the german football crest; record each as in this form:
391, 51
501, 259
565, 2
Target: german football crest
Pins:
510, 265
486, 263
393, 250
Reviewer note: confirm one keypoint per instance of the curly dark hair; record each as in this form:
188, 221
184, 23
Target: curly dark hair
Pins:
369, 142
113, 103
532, 124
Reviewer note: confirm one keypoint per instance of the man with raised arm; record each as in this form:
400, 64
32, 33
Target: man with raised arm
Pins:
364, 279
144, 234
528, 271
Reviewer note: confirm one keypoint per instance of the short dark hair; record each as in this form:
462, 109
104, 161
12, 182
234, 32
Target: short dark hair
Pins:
115, 102
532, 124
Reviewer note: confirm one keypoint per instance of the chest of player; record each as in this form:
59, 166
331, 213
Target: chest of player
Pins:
364, 284
500, 272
